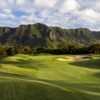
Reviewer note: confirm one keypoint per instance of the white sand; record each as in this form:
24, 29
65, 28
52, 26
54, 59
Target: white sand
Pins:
77, 57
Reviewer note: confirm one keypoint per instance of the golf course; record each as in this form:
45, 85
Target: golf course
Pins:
50, 77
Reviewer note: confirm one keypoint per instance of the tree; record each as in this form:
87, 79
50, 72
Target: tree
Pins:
19, 49
10, 51
33, 51
41, 50
65, 44
27, 50
3, 53
95, 48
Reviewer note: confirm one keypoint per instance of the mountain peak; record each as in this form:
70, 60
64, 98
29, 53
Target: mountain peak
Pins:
42, 35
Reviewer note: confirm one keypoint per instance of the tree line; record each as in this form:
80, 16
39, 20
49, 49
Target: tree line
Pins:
63, 48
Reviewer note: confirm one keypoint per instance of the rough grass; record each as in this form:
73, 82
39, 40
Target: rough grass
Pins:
90, 57
43, 77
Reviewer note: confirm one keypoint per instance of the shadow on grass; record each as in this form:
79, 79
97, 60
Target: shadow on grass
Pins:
11, 75
29, 64
97, 75
92, 64
82, 90
22, 63
38, 89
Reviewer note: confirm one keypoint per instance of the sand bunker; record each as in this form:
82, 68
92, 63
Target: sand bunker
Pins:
77, 57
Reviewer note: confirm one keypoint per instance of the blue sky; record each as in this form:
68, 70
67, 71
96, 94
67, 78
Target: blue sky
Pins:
62, 13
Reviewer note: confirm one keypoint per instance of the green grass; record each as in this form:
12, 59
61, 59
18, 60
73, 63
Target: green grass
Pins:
89, 56
43, 77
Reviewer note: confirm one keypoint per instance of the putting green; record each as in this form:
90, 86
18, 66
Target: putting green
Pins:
43, 77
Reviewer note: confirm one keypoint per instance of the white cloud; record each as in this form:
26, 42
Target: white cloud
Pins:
88, 16
62, 13
90, 4
69, 5
8, 23
11, 16
30, 19
45, 14
3, 16
8, 11
3, 3
19, 2
11, 1
45, 3
90, 13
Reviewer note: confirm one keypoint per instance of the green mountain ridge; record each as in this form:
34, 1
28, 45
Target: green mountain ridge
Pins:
40, 35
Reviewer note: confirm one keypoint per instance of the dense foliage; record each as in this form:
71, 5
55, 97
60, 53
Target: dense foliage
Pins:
41, 35
64, 48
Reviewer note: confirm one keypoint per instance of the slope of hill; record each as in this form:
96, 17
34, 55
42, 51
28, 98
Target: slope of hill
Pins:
41, 35
43, 77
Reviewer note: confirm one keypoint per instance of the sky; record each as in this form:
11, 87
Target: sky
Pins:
67, 14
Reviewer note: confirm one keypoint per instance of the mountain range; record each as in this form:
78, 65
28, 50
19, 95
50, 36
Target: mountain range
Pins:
40, 35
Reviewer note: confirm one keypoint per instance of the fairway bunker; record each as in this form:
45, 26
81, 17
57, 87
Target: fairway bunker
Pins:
76, 58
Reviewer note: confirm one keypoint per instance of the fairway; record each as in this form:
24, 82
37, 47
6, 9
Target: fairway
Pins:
43, 77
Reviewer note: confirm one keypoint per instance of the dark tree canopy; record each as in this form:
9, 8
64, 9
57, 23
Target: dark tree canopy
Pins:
95, 48
64, 48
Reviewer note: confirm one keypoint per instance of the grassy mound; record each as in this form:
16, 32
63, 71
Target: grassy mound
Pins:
43, 77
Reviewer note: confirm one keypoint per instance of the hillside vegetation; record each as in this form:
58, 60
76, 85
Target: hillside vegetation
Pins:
43, 77
40, 35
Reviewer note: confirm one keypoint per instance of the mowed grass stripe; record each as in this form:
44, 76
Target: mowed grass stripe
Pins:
43, 77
